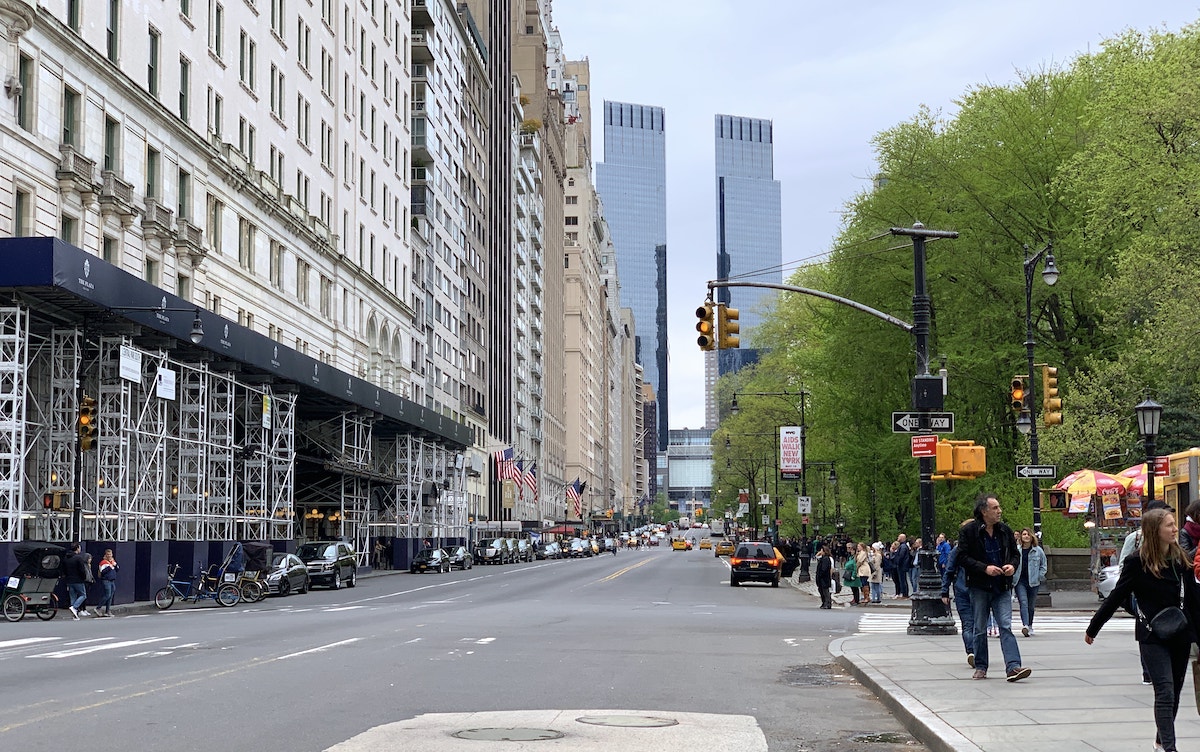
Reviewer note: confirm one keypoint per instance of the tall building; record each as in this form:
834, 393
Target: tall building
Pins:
749, 234
632, 182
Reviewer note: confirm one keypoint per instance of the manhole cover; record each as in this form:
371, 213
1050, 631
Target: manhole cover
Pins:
884, 738
808, 676
628, 721
508, 734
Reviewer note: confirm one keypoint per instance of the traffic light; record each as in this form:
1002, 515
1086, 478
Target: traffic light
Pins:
707, 339
1020, 389
959, 460
728, 328
87, 424
1051, 402
47, 500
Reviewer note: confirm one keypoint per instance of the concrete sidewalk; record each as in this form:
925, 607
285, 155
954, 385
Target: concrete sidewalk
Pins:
1080, 698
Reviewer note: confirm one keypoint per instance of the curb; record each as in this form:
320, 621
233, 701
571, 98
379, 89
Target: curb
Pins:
922, 723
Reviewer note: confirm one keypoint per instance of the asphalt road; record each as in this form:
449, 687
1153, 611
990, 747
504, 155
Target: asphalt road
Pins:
643, 634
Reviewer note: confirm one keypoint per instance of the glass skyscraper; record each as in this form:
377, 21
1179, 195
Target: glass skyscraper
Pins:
632, 182
749, 232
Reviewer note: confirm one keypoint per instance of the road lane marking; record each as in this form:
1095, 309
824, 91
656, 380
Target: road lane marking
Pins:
620, 572
5, 644
332, 609
320, 649
96, 648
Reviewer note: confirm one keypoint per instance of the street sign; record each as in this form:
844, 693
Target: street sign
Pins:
1029, 472
1162, 466
766, 519
924, 446
804, 505
911, 422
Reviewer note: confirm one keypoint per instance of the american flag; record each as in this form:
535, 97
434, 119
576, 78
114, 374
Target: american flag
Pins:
530, 478
573, 491
519, 478
505, 467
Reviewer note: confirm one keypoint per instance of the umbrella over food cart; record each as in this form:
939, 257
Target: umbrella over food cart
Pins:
1137, 481
1081, 485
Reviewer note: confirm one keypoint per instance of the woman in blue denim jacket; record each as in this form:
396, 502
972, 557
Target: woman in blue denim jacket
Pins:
1031, 572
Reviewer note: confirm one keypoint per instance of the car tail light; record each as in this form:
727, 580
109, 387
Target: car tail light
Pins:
734, 561
774, 562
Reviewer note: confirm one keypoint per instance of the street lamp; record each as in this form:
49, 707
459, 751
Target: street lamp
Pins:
1025, 422
1149, 415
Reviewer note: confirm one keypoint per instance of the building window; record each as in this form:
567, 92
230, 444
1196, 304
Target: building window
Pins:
109, 249
302, 272
275, 165
152, 65
572, 199
215, 214
183, 286
277, 264
303, 44
214, 304
571, 221
185, 89
277, 16
303, 118
22, 214
216, 112
326, 296
247, 60
112, 40
185, 8
153, 180
112, 144
246, 133
246, 232
216, 28
183, 207
150, 271
70, 117
69, 229
74, 14
25, 98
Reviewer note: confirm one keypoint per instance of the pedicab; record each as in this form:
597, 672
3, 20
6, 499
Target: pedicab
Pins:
31, 585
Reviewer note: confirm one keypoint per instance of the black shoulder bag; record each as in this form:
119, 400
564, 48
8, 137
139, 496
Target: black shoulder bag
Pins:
1169, 623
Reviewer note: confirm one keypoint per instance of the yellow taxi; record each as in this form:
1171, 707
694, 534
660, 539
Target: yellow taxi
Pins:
724, 548
705, 544
679, 544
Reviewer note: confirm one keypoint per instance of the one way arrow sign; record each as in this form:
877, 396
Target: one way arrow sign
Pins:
1029, 472
911, 422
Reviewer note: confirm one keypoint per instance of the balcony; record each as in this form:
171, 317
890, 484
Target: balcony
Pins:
156, 220
536, 435
116, 197
76, 172
422, 44
420, 13
189, 239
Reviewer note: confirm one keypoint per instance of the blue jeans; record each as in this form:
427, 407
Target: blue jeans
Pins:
876, 592
77, 592
966, 617
1027, 598
914, 575
1167, 665
110, 593
999, 607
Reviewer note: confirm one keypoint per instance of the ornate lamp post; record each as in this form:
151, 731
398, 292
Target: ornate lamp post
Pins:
1149, 415
1025, 422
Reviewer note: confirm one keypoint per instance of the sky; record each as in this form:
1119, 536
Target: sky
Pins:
831, 76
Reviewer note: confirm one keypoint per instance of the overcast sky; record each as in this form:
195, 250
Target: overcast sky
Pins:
831, 76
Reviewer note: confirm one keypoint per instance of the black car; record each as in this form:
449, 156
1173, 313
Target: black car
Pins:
329, 563
460, 557
287, 575
755, 561
430, 560
549, 550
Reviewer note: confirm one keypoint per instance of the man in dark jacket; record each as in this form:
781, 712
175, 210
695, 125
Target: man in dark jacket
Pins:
824, 576
988, 557
77, 579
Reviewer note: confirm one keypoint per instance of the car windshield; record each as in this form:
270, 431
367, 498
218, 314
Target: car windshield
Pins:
279, 559
756, 551
317, 551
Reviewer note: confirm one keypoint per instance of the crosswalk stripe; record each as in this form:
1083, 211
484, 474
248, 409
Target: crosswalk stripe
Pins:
898, 623
95, 648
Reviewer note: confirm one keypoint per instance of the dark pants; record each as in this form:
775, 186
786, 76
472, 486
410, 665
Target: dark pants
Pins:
902, 584
110, 593
1167, 666
826, 598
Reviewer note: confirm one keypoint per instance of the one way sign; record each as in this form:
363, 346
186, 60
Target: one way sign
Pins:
1029, 472
911, 422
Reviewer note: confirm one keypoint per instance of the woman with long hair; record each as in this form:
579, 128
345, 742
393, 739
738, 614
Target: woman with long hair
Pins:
1156, 574
1030, 573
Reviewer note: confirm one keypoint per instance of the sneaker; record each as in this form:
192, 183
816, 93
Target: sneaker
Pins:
979, 674
74, 613
971, 660
84, 612
1030, 632
1017, 674
1024, 630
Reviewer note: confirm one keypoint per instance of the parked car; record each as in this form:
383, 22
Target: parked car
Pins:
755, 561
1106, 581
493, 551
549, 550
579, 549
430, 560
287, 575
460, 557
329, 563
524, 550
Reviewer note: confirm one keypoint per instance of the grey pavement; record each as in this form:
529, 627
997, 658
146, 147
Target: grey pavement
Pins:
1080, 698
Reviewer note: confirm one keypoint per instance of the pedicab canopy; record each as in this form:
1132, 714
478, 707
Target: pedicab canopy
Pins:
38, 559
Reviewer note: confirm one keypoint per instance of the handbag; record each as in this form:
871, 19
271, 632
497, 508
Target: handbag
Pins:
1168, 623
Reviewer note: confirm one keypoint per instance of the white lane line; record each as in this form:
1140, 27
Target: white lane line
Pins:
5, 644
97, 648
319, 649
332, 609
415, 639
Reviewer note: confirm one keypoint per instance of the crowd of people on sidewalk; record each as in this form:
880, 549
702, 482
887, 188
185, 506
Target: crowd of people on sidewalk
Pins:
79, 575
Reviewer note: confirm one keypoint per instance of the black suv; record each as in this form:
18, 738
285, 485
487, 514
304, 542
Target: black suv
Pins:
755, 561
329, 563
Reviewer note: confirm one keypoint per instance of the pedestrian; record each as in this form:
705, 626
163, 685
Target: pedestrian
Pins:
989, 558
943, 553
904, 565
108, 578
1189, 531
1157, 575
77, 574
875, 581
954, 580
914, 574
1030, 574
850, 578
825, 576
862, 558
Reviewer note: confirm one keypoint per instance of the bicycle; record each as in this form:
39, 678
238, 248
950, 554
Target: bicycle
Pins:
203, 586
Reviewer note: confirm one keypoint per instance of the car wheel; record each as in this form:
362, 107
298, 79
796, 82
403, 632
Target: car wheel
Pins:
285, 586
353, 581
470, 564
304, 587
775, 582
733, 581
337, 580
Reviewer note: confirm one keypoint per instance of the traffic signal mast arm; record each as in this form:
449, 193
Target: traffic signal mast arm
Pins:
714, 283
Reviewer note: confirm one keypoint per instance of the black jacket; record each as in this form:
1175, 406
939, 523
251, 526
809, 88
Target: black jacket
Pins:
972, 558
76, 570
824, 572
1153, 595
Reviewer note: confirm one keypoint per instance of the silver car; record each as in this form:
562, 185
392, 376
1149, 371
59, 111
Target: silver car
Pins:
1106, 580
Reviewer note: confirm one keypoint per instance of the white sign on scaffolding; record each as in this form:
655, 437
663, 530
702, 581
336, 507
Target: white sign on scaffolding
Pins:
130, 366
164, 385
